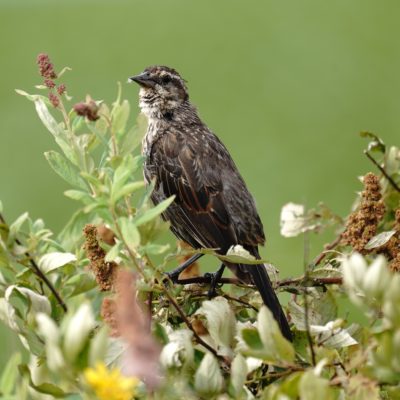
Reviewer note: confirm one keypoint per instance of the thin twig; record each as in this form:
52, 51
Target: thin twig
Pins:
275, 375
190, 326
327, 247
386, 175
310, 282
37, 271
307, 322
206, 279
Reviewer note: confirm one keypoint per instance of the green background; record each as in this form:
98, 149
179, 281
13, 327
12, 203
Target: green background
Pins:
287, 85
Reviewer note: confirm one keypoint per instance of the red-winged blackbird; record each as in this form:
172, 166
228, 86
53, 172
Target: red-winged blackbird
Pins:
213, 207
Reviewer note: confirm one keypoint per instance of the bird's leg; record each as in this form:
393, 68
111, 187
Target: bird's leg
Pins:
174, 274
214, 278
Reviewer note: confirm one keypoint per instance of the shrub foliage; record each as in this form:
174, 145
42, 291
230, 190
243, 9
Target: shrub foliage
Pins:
97, 317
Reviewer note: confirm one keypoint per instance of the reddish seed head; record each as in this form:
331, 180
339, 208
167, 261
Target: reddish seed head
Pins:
46, 68
88, 110
61, 89
54, 100
49, 83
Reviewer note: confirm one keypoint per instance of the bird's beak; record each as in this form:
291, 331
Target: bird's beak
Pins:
143, 80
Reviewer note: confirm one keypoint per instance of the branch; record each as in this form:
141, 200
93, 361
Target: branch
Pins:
190, 326
310, 282
327, 247
386, 175
37, 271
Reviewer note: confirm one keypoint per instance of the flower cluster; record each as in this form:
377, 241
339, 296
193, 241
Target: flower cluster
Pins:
103, 271
110, 384
88, 109
46, 70
362, 224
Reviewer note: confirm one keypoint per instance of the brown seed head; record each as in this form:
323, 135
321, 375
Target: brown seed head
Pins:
46, 68
54, 100
88, 110
104, 271
61, 89
362, 224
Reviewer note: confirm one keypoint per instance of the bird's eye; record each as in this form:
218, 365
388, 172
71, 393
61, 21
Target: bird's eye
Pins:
166, 79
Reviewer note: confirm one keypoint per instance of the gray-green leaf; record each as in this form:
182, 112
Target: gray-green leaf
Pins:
65, 169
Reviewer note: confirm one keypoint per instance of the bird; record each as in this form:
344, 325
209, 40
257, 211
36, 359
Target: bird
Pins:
213, 207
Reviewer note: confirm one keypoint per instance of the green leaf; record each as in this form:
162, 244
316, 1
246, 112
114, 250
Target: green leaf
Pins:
80, 283
120, 115
252, 338
31, 97
46, 388
154, 249
77, 331
51, 261
129, 232
238, 374
322, 309
17, 224
154, 212
134, 136
126, 190
121, 175
276, 347
239, 255
313, 387
58, 132
10, 374
64, 169
208, 379
78, 195
114, 252
376, 144
332, 335
379, 240
220, 322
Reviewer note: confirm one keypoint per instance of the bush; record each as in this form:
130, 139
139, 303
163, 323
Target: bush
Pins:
98, 319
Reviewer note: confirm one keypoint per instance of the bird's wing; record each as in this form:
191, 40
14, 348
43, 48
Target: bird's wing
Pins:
188, 167
196, 168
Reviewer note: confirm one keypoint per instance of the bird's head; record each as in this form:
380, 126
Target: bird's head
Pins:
162, 91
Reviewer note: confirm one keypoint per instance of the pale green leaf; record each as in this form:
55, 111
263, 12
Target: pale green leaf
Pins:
126, 190
10, 374
78, 195
130, 232
208, 379
98, 345
220, 323
64, 169
45, 388
154, 249
238, 374
277, 348
31, 97
58, 132
154, 212
134, 136
379, 240
17, 224
120, 115
114, 252
51, 261
313, 387
77, 331
239, 255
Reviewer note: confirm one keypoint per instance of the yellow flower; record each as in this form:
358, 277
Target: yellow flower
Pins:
110, 384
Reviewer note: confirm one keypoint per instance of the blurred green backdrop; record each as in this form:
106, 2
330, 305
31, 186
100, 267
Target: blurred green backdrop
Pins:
286, 85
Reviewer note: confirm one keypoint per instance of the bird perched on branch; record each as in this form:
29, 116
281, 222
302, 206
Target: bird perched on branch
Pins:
213, 207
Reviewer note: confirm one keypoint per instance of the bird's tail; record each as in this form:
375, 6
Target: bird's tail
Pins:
261, 280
